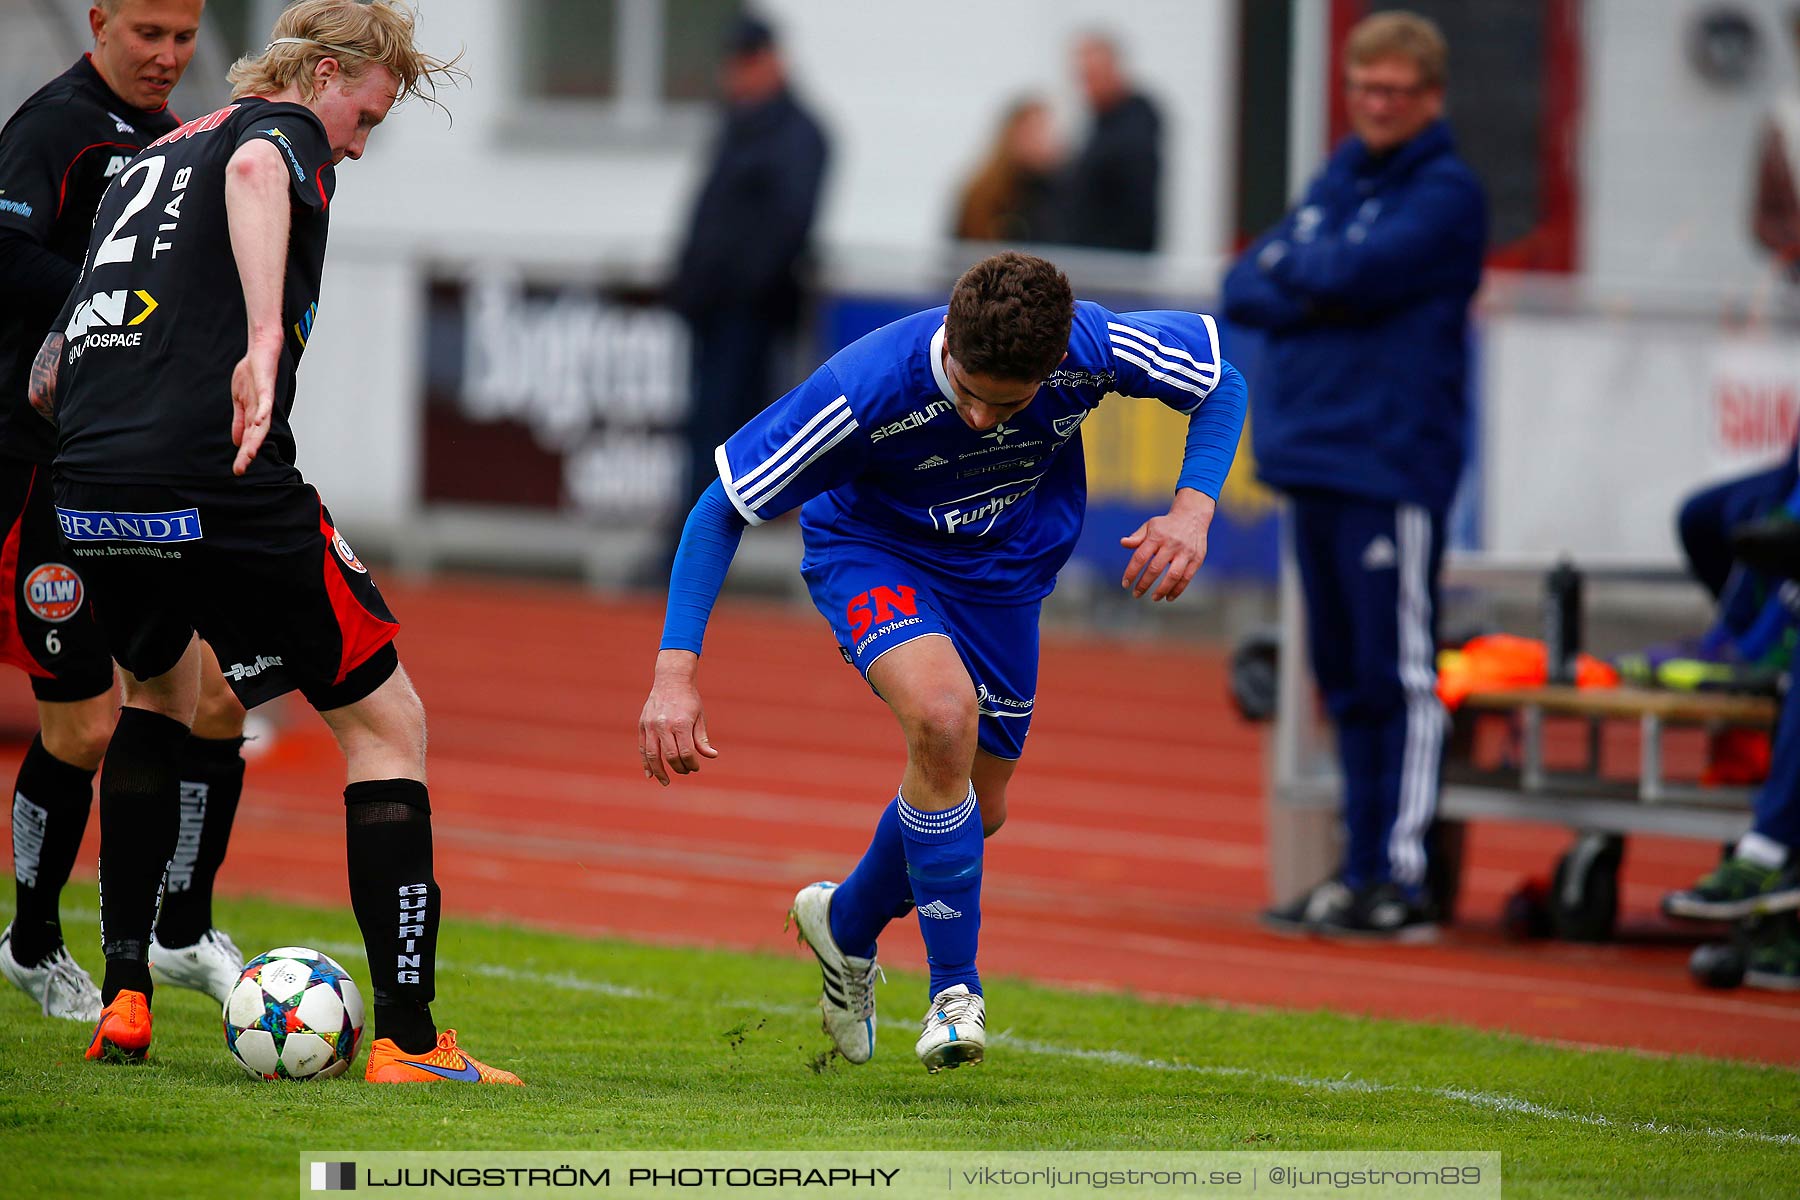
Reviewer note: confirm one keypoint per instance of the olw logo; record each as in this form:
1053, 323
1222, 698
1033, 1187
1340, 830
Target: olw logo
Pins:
877, 606
107, 310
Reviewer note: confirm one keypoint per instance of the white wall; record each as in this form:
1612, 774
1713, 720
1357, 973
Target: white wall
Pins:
910, 94
914, 91
1667, 159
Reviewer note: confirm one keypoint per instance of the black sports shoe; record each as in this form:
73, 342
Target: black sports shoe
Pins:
1300, 915
1735, 889
1382, 912
1774, 961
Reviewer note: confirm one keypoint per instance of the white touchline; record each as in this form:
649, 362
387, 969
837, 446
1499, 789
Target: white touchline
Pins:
1492, 1101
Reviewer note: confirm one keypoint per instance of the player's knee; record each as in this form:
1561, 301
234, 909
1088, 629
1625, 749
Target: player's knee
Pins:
941, 730
79, 736
218, 715
993, 814
397, 717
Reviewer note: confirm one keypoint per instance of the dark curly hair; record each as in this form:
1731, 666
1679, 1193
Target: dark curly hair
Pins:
1009, 317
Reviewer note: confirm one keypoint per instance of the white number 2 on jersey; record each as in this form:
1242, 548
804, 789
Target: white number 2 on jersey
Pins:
120, 249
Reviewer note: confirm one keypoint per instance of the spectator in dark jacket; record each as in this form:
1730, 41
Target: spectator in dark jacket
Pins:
1115, 183
1363, 292
738, 281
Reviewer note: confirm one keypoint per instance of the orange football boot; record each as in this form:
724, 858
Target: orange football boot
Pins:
446, 1063
123, 1034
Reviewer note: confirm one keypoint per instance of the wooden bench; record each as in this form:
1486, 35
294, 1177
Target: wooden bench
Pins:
1654, 711
1302, 819
1583, 899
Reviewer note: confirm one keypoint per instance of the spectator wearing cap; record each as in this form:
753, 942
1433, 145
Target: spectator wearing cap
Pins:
739, 277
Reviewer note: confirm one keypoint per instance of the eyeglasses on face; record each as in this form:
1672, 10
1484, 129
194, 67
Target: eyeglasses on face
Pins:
1384, 91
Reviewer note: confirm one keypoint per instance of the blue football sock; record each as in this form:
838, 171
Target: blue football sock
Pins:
876, 892
943, 859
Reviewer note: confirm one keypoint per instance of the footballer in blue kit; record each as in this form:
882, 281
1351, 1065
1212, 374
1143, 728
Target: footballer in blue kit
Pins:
937, 465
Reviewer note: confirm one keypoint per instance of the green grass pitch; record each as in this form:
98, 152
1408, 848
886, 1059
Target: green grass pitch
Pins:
627, 1046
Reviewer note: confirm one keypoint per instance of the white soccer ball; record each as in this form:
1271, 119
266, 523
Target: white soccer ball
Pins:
294, 1014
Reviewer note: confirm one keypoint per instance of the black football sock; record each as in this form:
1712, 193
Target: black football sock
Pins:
395, 898
49, 815
212, 780
140, 810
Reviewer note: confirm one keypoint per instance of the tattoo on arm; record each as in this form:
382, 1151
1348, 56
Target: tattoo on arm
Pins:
43, 376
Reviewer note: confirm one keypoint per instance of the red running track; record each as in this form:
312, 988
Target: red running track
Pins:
1133, 857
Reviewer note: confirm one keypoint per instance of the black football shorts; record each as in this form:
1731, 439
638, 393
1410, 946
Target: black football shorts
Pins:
259, 571
47, 626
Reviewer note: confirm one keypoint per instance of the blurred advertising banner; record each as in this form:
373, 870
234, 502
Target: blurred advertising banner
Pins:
1598, 426
570, 400
1753, 401
564, 399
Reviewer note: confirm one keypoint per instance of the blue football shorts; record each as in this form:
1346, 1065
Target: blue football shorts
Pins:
876, 601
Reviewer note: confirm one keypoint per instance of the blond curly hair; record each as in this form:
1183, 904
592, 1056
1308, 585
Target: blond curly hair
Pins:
356, 33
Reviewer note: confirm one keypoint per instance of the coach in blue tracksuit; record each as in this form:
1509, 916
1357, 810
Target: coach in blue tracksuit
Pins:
1363, 292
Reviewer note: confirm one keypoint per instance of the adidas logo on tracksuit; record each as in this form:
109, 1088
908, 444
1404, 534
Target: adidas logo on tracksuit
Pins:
939, 910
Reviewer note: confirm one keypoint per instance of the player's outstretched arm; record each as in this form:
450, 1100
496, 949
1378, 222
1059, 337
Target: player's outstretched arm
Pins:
1168, 550
43, 376
256, 210
672, 735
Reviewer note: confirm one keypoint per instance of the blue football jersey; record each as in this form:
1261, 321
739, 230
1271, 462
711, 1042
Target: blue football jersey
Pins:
872, 448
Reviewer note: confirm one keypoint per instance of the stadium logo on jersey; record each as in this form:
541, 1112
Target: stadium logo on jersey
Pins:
181, 525
1073, 378
238, 672
17, 208
1064, 426
934, 461
108, 310
347, 554
977, 514
53, 593
990, 705
116, 163
121, 124
878, 606
912, 420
